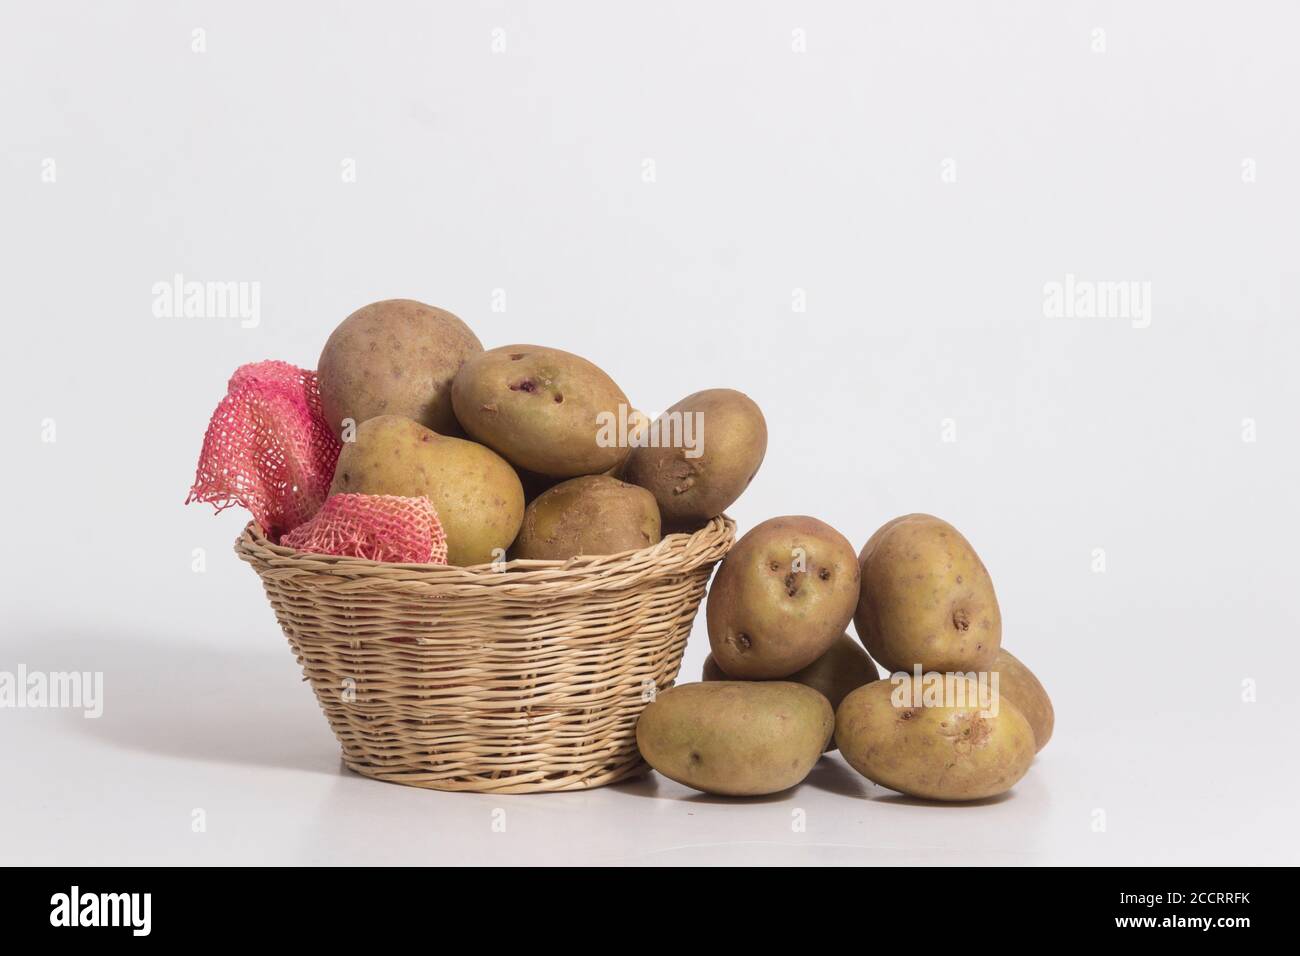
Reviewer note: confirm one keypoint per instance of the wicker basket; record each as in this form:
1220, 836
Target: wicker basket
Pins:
519, 680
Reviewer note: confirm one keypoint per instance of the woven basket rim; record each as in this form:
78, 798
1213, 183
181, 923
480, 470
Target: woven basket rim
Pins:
676, 553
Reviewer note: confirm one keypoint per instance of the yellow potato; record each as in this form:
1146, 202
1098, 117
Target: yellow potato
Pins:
934, 752
782, 596
926, 599
476, 493
541, 409
738, 738
1017, 683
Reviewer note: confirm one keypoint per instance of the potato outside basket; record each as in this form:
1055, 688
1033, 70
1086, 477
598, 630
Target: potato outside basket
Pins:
517, 680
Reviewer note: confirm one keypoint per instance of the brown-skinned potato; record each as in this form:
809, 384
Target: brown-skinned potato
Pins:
781, 597
737, 738
926, 599
592, 514
950, 753
395, 357
691, 488
475, 492
541, 409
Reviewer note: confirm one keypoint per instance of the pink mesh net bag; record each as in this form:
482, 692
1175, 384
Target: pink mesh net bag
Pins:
268, 448
378, 527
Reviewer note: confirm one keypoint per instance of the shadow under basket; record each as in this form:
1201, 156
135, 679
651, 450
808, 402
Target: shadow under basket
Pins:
522, 680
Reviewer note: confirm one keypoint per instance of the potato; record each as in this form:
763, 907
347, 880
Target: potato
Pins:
476, 493
535, 484
843, 668
710, 445
1017, 683
926, 599
782, 596
396, 357
593, 514
737, 738
542, 409
934, 752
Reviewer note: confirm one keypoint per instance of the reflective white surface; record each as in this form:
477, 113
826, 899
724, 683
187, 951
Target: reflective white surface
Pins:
230, 731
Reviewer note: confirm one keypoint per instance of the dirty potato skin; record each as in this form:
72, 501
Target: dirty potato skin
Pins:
736, 738
926, 599
476, 493
1017, 683
593, 514
691, 490
843, 668
541, 409
936, 753
395, 357
781, 597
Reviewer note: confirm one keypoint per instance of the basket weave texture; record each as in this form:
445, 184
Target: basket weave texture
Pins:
520, 680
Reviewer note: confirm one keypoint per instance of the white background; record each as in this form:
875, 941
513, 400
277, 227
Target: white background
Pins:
774, 171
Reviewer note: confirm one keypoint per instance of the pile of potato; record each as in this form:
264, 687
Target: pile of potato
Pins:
784, 682
508, 445
512, 445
